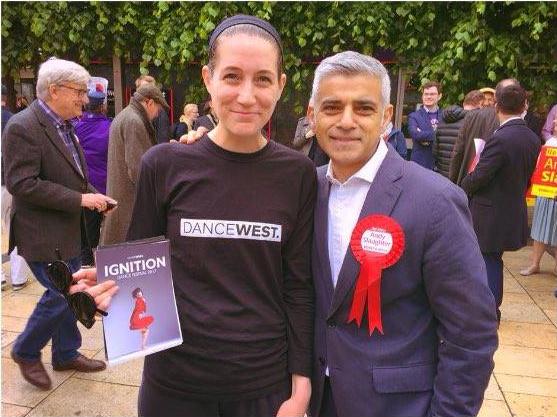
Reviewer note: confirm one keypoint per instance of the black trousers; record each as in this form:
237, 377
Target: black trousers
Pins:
93, 220
155, 402
327, 403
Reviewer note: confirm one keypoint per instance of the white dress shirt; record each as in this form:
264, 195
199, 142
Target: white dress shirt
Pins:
345, 204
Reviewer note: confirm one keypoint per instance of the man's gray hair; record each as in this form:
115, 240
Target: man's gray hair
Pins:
59, 71
352, 63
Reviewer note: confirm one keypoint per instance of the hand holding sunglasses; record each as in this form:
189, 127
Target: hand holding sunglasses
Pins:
81, 303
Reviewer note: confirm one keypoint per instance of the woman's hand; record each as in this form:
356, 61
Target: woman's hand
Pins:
86, 280
192, 136
297, 404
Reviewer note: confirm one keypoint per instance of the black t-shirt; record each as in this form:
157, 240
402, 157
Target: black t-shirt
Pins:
240, 227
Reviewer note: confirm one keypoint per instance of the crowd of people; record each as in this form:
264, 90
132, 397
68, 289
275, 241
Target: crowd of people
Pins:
378, 292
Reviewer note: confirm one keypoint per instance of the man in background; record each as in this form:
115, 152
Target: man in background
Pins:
162, 122
497, 186
422, 125
131, 135
46, 173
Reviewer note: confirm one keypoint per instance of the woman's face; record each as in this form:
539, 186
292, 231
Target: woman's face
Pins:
244, 85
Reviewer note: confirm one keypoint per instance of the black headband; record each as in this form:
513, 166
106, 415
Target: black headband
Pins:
242, 19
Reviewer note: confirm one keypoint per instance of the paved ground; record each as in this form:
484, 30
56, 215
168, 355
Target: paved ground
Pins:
524, 382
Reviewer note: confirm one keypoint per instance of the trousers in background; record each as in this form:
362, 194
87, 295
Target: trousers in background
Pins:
93, 220
494, 265
53, 319
18, 266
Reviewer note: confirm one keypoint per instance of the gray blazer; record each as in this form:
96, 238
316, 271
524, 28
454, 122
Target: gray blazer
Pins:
46, 186
438, 314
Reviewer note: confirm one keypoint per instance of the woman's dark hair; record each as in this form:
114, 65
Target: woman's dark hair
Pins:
245, 29
135, 292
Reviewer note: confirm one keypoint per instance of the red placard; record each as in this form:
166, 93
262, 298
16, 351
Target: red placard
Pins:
544, 179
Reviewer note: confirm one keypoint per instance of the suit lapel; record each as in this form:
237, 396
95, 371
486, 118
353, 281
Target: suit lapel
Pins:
381, 199
321, 217
55, 138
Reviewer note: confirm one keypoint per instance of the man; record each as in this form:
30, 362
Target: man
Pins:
422, 125
498, 184
479, 124
131, 135
92, 131
447, 131
162, 122
47, 175
435, 309
488, 97
305, 142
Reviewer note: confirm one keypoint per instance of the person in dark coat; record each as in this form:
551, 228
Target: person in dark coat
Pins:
92, 131
448, 128
186, 121
306, 142
209, 120
497, 186
396, 139
480, 123
46, 173
434, 353
161, 123
422, 125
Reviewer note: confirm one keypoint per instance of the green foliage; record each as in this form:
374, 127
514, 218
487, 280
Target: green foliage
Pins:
464, 45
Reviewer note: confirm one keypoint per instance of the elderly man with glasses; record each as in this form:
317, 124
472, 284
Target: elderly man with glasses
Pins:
46, 173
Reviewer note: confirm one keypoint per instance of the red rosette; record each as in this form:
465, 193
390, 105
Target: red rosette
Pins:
377, 243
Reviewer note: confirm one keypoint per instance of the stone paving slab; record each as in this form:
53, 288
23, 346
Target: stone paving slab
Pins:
524, 382
95, 399
531, 405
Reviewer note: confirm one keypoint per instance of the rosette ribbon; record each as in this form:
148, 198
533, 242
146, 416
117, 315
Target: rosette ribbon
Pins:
383, 249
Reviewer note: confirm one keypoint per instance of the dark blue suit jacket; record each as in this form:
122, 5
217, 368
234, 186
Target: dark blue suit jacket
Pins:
438, 313
497, 187
423, 137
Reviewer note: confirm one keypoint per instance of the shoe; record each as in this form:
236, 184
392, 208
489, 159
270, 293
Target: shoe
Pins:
17, 287
33, 372
81, 364
531, 270
4, 284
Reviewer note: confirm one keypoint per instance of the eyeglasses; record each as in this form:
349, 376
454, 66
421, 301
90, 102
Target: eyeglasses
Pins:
81, 303
80, 91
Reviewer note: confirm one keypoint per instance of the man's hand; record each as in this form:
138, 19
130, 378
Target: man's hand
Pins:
192, 136
86, 280
98, 202
297, 404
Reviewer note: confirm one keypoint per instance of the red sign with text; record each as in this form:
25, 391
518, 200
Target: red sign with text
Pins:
544, 180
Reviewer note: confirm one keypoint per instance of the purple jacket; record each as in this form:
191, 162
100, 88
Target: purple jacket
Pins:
92, 132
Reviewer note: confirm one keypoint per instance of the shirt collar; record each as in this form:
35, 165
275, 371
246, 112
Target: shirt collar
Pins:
435, 109
511, 118
368, 171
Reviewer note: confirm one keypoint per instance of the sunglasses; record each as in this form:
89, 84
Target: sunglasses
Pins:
81, 303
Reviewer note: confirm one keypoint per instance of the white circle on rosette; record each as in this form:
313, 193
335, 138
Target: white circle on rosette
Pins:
377, 241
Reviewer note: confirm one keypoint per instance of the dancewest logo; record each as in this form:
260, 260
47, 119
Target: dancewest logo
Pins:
230, 229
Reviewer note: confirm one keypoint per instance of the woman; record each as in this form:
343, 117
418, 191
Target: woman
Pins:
138, 319
544, 223
190, 114
238, 210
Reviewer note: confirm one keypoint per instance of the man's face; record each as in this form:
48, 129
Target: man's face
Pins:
152, 108
348, 118
67, 99
430, 97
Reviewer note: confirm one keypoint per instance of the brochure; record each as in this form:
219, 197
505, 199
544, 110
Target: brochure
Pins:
142, 317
